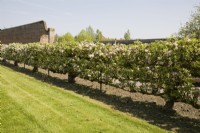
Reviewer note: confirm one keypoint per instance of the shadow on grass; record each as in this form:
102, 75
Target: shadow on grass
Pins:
150, 112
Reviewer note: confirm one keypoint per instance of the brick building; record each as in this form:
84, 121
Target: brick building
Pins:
33, 32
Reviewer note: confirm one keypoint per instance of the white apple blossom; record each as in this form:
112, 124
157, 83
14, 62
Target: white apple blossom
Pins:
91, 55
168, 53
188, 40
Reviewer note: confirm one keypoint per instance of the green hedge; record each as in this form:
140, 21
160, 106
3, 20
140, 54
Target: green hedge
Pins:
165, 68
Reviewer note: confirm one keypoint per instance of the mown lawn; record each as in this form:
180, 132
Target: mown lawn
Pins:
29, 105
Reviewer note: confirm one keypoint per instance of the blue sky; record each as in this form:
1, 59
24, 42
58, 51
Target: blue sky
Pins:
144, 18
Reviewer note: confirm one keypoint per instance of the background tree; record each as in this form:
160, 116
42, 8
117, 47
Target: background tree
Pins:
127, 35
66, 37
84, 36
99, 36
192, 27
91, 33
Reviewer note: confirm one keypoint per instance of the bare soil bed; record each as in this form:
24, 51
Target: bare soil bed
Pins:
183, 118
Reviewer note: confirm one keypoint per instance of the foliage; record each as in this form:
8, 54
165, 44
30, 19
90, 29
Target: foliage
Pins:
84, 36
127, 35
66, 38
89, 35
163, 68
192, 27
99, 35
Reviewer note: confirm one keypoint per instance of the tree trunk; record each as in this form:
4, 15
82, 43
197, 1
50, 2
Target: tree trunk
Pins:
15, 63
48, 72
169, 104
101, 87
71, 77
35, 69
170, 99
100, 80
4, 60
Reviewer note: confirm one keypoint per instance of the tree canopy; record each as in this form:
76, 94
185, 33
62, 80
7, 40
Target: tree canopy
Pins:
192, 27
99, 35
66, 37
84, 36
127, 35
89, 35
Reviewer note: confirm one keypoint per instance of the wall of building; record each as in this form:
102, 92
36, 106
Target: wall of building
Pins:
33, 32
132, 41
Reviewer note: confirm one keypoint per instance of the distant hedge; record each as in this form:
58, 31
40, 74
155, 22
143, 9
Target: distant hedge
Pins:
164, 68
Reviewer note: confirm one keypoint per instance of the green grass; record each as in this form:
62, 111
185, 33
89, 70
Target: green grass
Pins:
29, 105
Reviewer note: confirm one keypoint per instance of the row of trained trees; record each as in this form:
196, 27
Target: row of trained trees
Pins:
165, 68
89, 35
